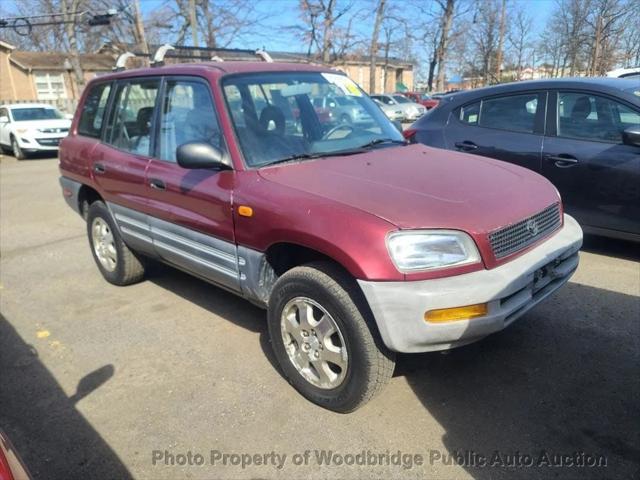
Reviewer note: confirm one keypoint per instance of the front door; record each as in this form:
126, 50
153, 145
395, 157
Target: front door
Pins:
190, 210
597, 175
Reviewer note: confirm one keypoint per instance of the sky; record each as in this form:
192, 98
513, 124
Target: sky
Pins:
283, 13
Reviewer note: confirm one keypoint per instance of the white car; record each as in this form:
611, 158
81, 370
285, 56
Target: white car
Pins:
625, 73
391, 111
410, 110
31, 127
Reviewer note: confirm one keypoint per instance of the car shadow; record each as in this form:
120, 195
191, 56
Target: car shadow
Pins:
216, 300
623, 249
43, 423
562, 379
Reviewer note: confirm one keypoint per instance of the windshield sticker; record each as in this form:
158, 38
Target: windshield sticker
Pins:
345, 84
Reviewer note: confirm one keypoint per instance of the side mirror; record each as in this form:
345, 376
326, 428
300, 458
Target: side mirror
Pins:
4, 119
631, 136
196, 155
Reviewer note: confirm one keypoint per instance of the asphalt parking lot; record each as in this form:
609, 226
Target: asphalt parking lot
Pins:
98, 381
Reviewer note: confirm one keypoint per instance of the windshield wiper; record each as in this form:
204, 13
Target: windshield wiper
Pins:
380, 141
293, 158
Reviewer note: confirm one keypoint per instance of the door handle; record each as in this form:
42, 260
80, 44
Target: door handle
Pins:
563, 161
157, 184
466, 145
99, 168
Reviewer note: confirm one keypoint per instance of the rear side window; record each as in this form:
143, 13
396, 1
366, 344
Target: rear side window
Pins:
93, 110
515, 113
131, 124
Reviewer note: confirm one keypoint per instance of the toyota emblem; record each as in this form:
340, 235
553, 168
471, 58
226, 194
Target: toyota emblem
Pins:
532, 227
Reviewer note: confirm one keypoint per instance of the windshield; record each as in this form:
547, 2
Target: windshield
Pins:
401, 99
35, 113
280, 116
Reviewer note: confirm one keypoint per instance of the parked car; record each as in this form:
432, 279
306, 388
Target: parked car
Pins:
31, 127
410, 110
424, 99
343, 109
582, 134
628, 73
394, 113
358, 244
11, 465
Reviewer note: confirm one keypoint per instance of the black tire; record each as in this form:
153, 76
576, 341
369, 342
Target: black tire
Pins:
370, 362
16, 150
128, 266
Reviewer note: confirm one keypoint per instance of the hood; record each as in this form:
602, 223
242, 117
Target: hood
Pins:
421, 187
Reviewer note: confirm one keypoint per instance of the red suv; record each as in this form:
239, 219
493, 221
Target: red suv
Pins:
358, 244
423, 99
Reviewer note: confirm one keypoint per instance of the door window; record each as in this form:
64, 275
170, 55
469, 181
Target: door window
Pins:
131, 124
516, 113
93, 110
187, 116
592, 117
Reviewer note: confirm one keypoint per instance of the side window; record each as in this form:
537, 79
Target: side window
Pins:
131, 123
592, 117
187, 116
4, 112
469, 114
516, 113
93, 110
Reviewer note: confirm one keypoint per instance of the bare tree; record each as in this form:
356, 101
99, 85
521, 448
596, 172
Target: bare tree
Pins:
519, 38
448, 7
499, 53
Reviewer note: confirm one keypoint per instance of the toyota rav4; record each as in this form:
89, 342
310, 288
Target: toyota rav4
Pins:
357, 244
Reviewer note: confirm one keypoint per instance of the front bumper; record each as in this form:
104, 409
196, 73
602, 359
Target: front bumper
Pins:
44, 142
510, 291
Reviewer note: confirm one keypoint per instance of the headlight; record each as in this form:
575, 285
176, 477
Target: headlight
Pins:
414, 250
22, 130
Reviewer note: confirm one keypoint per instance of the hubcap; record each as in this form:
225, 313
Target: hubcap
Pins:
314, 343
16, 148
104, 245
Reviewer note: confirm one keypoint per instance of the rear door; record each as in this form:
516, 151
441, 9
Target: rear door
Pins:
506, 127
190, 209
584, 156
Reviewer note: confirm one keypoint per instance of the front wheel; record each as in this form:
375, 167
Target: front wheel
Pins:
16, 150
324, 338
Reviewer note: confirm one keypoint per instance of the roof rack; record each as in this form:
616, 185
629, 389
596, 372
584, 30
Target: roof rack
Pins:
121, 62
158, 57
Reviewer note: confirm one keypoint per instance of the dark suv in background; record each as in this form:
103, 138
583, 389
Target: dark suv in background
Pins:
582, 134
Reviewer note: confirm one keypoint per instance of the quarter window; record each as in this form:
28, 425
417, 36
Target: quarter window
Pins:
93, 110
187, 116
592, 117
470, 114
132, 117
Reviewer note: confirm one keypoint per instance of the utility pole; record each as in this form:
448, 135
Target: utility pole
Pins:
500, 41
373, 49
139, 28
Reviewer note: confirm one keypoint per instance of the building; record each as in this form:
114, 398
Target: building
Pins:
45, 76
49, 76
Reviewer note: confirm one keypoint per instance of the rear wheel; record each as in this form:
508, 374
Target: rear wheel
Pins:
324, 338
117, 263
16, 150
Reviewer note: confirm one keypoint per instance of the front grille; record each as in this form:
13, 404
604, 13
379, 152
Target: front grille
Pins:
510, 239
48, 142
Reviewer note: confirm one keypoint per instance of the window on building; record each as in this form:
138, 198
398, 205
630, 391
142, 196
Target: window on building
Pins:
50, 86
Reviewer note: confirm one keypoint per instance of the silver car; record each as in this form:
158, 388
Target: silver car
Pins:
342, 109
393, 112
411, 110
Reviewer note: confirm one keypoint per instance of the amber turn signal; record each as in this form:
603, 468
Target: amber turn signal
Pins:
245, 211
457, 313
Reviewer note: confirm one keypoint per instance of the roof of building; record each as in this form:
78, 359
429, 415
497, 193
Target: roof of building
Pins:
56, 60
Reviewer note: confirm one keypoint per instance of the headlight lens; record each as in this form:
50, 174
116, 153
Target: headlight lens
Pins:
413, 250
